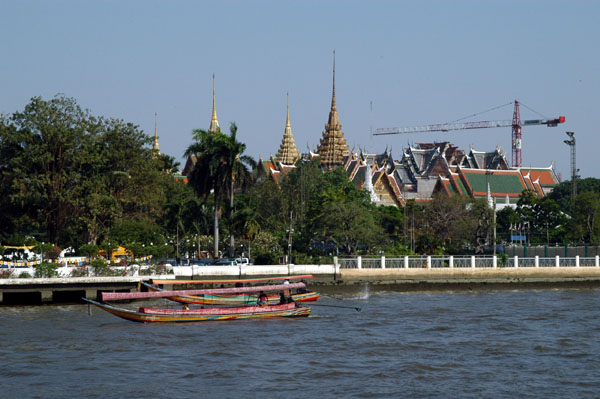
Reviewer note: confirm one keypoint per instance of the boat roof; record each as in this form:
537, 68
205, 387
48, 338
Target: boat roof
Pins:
247, 280
115, 296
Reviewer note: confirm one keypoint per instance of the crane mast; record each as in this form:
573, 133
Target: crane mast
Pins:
515, 123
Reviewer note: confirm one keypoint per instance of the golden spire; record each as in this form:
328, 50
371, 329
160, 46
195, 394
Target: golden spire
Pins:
333, 146
288, 153
214, 122
288, 127
155, 146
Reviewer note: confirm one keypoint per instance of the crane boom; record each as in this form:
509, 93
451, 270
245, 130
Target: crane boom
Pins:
516, 123
445, 127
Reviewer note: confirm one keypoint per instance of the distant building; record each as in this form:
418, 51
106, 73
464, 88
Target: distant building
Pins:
426, 169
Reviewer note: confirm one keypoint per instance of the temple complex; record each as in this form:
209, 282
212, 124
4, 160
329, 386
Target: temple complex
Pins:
424, 170
428, 169
333, 147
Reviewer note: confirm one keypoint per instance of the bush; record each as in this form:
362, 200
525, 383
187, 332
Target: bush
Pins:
25, 275
100, 267
46, 270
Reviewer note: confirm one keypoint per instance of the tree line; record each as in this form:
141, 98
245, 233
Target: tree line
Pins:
70, 179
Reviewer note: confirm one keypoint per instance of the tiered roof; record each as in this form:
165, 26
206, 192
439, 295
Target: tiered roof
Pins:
288, 153
333, 147
504, 185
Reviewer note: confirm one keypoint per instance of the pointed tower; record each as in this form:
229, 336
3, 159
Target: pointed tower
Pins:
288, 153
214, 122
155, 148
333, 146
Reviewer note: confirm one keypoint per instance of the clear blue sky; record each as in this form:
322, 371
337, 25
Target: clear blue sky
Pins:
419, 62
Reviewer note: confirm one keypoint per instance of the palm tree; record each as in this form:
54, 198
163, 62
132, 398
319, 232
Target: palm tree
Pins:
240, 175
219, 167
245, 222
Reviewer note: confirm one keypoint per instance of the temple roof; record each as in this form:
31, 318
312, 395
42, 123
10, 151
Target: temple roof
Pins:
288, 153
214, 122
333, 146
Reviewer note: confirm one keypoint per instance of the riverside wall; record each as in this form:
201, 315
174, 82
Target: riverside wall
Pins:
18, 291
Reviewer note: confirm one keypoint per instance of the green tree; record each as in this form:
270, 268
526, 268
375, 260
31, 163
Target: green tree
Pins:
239, 174
446, 222
561, 193
219, 162
584, 224
68, 176
344, 215
245, 220
43, 144
543, 217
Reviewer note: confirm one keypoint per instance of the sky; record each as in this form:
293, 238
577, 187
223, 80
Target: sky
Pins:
398, 63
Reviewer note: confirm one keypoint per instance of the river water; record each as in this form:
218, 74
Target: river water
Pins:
476, 344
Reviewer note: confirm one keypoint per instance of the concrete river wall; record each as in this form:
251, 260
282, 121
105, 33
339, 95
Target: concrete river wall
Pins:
408, 273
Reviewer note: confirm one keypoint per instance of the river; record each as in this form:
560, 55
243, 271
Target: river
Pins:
539, 343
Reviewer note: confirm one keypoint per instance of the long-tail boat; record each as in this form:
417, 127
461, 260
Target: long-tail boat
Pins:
234, 299
161, 315
165, 315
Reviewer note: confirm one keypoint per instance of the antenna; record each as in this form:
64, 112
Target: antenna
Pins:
371, 119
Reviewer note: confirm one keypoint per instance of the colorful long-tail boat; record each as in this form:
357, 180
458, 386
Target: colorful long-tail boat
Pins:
161, 315
234, 299
169, 315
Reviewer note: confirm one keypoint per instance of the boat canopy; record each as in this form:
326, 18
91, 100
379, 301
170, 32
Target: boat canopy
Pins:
115, 296
248, 280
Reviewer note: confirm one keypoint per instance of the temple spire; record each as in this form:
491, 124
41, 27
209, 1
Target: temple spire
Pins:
288, 153
155, 147
288, 127
333, 115
333, 146
214, 122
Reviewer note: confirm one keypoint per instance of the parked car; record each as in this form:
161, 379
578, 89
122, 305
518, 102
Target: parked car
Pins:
169, 261
242, 261
202, 262
226, 262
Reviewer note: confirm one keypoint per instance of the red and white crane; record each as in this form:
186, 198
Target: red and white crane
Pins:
516, 123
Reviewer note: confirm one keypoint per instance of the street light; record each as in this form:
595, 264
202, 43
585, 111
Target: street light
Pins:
574, 170
290, 232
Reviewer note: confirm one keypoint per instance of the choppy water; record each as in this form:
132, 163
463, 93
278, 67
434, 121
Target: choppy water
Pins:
482, 344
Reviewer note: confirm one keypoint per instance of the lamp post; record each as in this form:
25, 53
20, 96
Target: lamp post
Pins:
290, 232
488, 173
571, 143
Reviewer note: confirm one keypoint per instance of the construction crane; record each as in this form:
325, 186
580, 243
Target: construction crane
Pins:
516, 123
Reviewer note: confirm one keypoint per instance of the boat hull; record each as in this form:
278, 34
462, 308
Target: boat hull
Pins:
157, 315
